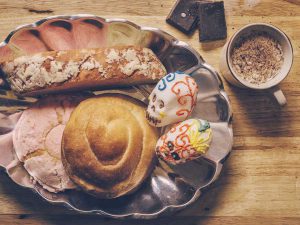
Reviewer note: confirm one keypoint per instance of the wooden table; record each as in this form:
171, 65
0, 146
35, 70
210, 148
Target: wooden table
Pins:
260, 183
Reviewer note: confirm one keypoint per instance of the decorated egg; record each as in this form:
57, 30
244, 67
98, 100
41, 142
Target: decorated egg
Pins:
185, 141
172, 100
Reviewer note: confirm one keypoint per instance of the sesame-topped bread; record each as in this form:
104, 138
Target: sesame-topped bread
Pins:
54, 71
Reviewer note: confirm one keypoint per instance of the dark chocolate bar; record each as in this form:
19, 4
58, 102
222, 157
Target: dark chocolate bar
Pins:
212, 22
183, 15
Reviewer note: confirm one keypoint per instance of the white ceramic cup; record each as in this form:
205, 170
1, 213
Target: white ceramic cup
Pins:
232, 77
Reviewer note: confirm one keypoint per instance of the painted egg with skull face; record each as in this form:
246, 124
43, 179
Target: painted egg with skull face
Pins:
172, 100
185, 141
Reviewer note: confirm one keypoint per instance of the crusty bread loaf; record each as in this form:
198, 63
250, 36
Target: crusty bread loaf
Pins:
108, 151
82, 69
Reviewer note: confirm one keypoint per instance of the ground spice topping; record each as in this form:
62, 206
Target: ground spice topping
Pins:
257, 58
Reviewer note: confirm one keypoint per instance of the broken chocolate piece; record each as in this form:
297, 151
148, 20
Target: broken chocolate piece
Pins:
183, 15
212, 23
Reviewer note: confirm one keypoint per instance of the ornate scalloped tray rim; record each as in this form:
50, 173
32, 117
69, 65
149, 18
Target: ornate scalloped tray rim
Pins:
201, 64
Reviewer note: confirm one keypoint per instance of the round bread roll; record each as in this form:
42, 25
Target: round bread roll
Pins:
108, 147
37, 140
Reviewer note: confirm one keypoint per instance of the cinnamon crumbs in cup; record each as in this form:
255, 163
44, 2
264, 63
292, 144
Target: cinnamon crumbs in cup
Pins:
257, 58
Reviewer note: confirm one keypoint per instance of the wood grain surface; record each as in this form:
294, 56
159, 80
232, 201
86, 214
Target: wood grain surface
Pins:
260, 183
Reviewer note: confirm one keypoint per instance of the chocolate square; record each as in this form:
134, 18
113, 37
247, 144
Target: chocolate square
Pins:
184, 16
212, 22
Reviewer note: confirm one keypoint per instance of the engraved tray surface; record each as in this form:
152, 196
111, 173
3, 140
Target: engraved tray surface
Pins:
169, 188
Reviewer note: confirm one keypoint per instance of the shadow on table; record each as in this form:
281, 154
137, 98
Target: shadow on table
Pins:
256, 113
207, 46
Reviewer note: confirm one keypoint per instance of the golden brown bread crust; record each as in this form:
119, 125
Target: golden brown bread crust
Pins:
80, 69
108, 146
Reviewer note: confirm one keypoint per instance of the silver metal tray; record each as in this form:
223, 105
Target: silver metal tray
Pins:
169, 188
